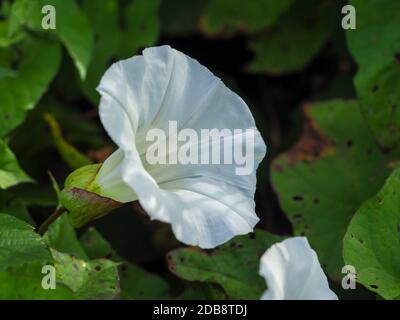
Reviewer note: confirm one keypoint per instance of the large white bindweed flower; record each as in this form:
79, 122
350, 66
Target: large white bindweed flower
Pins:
206, 204
292, 272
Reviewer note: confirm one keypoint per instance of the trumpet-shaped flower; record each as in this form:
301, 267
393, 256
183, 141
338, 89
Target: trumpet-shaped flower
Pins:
292, 272
206, 203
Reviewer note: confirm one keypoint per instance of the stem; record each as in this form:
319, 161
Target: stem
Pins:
45, 225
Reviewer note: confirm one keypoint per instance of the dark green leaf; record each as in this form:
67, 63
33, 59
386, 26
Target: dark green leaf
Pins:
296, 38
375, 45
230, 15
37, 67
5, 39
107, 41
15, 207
180, 17
141, 26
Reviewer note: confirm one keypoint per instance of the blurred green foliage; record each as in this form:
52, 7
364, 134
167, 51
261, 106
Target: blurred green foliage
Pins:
279, 56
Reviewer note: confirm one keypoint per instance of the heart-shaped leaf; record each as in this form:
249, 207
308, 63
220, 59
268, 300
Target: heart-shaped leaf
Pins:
372, 241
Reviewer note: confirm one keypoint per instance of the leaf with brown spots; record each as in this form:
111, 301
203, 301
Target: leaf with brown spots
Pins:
93, 280
312, 144
135, 282
321, 192
372, 242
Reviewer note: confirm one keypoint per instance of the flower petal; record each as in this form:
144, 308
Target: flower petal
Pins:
204, 212
292, 272
110, 180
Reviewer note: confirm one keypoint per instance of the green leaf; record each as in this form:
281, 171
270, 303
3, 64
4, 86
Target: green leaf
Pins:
69, 153
327, 175
37, 67
96, 246
372, 241
233, 265
141, 26
20, 12
229, 16
10, 171
135, 282
95, 280
295, 39
25, 283
76, 278
19, 244
107, 43
72, 27
375, 45
61, 236
74, 32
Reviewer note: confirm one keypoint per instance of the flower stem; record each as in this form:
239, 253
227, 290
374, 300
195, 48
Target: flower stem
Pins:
45, 225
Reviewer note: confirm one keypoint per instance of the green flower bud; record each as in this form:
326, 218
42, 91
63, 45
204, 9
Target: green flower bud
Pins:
82, 198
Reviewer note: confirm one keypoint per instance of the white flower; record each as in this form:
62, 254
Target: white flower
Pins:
205, 204
292, 272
